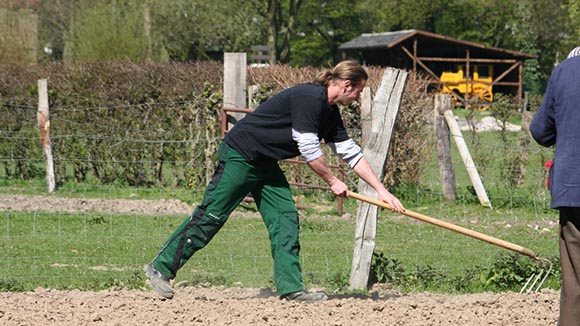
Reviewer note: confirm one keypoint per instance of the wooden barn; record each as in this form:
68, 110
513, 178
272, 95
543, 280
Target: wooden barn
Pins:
472, 73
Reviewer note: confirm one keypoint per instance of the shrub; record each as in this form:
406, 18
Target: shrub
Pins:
158, 124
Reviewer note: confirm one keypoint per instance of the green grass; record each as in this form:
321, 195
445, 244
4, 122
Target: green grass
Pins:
91, 190
96, 251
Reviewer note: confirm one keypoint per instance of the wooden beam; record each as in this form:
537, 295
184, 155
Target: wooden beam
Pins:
468, 79
520, 82
476, 60
495, 84
412, 57
415, 55
467, 160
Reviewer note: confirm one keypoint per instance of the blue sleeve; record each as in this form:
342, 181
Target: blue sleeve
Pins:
543, 126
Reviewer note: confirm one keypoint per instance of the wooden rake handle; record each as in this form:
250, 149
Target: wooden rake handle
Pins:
449, 226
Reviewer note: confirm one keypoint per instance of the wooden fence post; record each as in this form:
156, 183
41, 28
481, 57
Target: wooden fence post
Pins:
467, 160
235, 73
44, 130
384, 111
446, 171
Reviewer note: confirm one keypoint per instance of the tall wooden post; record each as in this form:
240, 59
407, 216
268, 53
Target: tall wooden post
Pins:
44, 130
235, 72
383, 112
446, 171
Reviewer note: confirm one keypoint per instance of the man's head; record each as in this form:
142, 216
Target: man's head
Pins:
344, 70
349, 70
348, 92
345, 82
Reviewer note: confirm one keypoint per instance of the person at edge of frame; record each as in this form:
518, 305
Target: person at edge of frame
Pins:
289, 124
556, 123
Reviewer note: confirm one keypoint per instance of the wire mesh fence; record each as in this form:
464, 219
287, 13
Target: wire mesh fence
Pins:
51, 244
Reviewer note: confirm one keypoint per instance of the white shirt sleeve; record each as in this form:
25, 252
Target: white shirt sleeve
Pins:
308, 144
348, 151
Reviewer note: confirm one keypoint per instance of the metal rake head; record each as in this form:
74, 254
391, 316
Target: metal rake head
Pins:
536, 280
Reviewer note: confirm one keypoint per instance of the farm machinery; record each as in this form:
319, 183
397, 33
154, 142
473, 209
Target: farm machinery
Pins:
473, 90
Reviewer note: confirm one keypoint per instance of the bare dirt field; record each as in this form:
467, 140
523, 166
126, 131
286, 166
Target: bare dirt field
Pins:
243, 306
233, 306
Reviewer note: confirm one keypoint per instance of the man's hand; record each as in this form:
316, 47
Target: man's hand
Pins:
363, 169
338, 188
392, 201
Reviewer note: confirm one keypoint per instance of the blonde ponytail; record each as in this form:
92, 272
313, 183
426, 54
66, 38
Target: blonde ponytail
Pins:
344, 70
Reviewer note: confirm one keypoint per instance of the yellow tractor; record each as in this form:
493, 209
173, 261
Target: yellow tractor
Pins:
472, 91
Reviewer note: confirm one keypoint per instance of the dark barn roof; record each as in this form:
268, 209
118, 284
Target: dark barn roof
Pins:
429, 45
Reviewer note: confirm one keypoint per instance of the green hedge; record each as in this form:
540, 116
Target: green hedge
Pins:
113, 122
158, 124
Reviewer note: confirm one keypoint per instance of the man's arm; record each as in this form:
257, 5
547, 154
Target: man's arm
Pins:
351, 153
543, 125
309, 147
319, 166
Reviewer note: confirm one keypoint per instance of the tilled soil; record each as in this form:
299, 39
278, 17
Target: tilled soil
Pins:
242, 306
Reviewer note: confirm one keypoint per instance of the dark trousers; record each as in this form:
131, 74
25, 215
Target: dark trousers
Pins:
570, 259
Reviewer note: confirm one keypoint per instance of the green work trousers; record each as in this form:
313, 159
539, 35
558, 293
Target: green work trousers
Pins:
233, 179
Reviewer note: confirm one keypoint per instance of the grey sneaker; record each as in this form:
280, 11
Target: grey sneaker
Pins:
159, 282
306, 297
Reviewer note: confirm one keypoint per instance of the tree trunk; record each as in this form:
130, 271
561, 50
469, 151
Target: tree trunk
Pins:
285, 54
273, 30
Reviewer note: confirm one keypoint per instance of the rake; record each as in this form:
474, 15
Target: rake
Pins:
535, 281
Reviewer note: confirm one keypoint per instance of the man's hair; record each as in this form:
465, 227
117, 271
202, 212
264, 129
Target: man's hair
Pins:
344, 70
